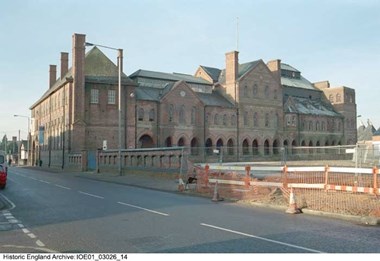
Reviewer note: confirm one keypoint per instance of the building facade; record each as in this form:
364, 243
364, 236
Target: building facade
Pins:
246, 110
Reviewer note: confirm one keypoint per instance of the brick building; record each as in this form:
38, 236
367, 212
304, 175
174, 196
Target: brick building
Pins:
249, 109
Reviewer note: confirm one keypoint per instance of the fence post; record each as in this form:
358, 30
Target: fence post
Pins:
326, 176
247, 176
205, 178
285, 177
375, 171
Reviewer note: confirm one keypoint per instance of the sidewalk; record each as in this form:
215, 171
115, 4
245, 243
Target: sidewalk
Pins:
152, 180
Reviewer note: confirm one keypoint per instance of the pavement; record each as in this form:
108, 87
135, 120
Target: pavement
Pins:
168, 182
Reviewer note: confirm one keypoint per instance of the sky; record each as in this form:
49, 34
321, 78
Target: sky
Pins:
334, 40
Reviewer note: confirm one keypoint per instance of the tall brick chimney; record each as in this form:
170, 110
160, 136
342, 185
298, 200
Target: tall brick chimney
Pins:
64, 64
275, 67
232, 66
78, 139
52, 75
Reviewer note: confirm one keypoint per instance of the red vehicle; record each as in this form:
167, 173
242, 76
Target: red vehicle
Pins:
3, 177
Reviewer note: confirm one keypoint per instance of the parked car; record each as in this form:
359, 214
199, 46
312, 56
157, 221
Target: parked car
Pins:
3, 177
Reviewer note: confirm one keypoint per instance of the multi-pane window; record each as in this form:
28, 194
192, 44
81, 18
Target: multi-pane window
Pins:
111, 97
94, 96
182, 115
266, 119
255, 119
171, 112
140, 114
151, 115
193, 113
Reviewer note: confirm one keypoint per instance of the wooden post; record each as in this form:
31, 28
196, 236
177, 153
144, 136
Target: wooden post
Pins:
247, 176
326, 176
285, 177
375, 172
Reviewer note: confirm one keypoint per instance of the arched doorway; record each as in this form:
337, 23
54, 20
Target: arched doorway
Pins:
230, 147
208, 146
245, 147
168, 142
194, 146
146, 141
255, 147
181, 142
266, 147
275, 147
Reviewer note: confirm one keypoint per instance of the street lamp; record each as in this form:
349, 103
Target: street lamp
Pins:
120, 67
29, 138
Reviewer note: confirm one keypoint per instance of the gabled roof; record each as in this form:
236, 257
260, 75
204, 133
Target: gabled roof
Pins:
308, 106
97, 68
242, 70
214, 73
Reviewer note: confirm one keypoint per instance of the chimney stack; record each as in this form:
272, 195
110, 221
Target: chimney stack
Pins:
64, 64
232, 67
52, 75
275, 67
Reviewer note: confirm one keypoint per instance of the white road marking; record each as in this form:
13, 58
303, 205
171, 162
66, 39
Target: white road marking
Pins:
44, 181
146, 209
91, 195
59, 186
25, 231
39, 243
260, 238
31, 235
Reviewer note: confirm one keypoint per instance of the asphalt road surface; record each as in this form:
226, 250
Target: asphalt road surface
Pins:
58, 212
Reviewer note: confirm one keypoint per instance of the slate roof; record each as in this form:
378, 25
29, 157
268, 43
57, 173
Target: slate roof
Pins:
155, 94
295, 82
311, 107
174, 77
98, 68
242, 70
214, 73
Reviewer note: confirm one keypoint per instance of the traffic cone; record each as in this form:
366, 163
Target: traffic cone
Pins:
293, 209
181, 185
216, 197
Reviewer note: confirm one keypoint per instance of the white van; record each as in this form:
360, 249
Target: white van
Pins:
3, 160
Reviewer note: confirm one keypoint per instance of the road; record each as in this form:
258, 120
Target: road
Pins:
58, 212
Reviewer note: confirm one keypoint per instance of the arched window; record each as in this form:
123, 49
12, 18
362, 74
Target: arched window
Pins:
208, 146
151, 115
266, 92
331, 98
216, 119
255, 90
246, 93
233, 120
255, 119
194, 147
245, 118
141, 114
267, 119
225, 119
171, 112
182, 115
255, 147
338, 97
193, 114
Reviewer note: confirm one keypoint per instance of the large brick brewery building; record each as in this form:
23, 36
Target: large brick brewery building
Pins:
250, 109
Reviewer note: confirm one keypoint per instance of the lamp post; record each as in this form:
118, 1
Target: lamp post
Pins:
29, 137
120, 70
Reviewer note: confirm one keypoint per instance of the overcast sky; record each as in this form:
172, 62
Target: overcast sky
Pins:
334, 40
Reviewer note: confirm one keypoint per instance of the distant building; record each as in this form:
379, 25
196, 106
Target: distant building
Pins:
250, 110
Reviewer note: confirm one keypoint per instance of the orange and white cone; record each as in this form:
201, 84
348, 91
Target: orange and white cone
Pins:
216, 197
293, 209
181, 185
